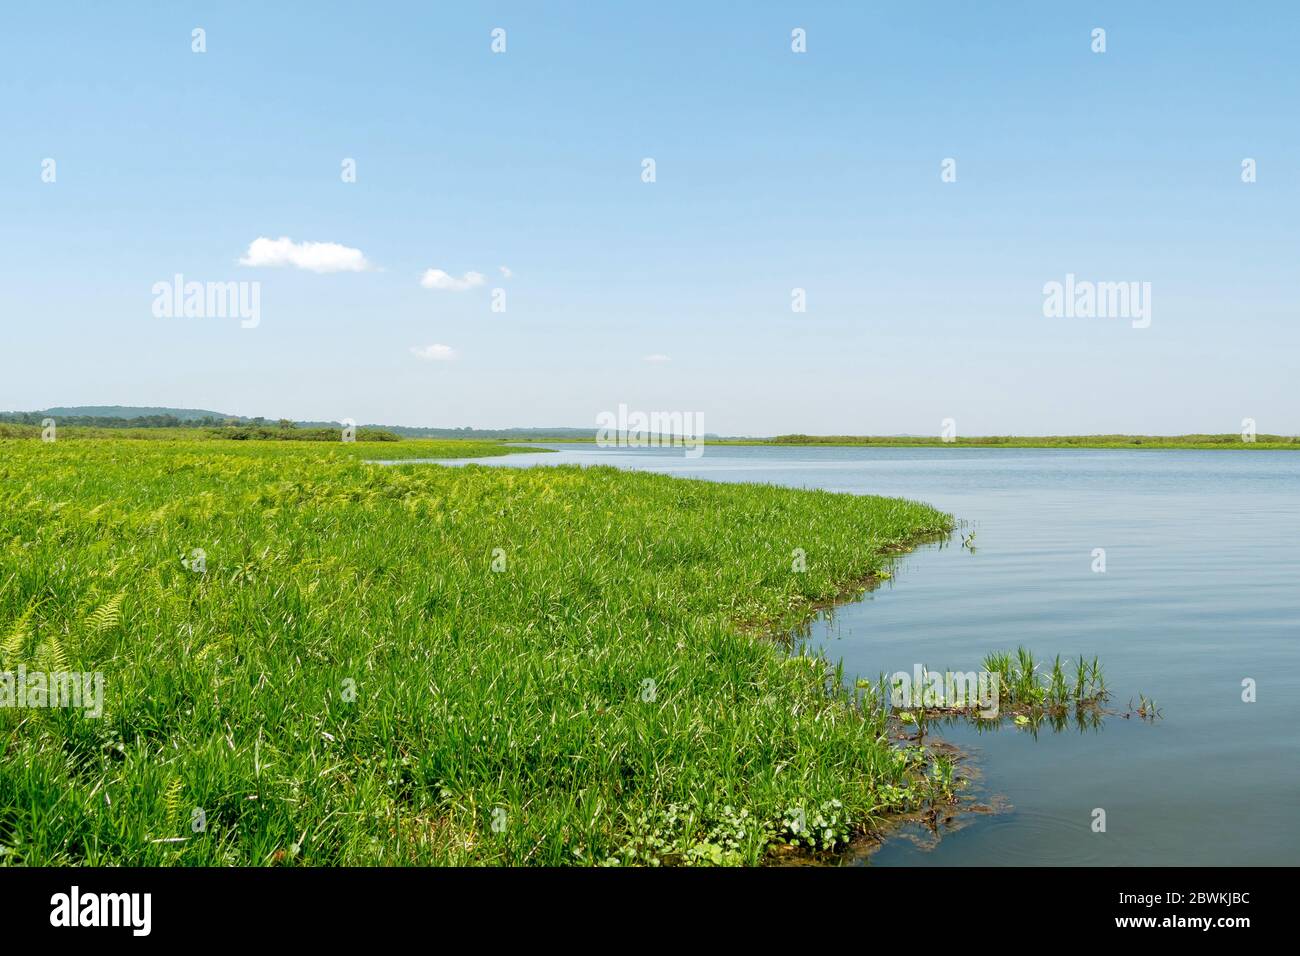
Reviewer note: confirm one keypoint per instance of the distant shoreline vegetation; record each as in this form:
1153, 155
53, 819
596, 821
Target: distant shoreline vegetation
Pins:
74, 428
1153, 442
125, 421
1044, 441
106, 421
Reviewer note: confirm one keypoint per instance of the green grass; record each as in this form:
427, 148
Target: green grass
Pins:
351, 682
1023, 687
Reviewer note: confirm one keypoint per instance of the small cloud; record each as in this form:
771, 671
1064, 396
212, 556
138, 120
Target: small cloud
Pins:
434, 353
437, 279
312, 256
506, 271
657, 358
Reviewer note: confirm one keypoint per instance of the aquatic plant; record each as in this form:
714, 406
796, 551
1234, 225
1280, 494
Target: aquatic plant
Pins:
1022, 686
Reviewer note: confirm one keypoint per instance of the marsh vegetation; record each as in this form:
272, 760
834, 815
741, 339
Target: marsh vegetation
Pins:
419, 664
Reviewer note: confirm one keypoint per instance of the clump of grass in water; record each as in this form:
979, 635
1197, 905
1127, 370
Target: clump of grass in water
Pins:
1024, 691
1146, 708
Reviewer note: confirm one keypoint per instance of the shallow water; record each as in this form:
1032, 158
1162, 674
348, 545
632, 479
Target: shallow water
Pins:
1201, 590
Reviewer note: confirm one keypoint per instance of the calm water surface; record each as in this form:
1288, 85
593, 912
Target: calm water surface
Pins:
1201, 590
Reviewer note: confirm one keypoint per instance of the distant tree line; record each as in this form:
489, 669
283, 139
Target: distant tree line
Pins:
236, 429
291, 432
96, 421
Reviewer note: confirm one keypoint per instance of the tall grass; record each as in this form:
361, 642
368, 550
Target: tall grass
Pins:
427, 665
1023, 686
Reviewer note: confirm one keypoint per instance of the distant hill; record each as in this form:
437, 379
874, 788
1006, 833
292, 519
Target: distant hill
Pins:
131, 411
122, 416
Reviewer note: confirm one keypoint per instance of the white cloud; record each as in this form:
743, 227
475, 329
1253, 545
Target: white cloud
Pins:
312, 256
434, 353
506, 271
657, 358
437, 279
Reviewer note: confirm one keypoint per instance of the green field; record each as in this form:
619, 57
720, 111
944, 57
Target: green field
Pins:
429, 665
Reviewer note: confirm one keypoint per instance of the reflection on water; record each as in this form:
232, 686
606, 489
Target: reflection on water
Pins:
1081, 719
1199, 593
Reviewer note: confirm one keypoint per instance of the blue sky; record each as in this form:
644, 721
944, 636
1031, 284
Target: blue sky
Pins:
774, 171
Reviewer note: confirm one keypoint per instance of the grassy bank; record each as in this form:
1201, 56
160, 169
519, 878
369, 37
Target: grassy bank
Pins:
384, 665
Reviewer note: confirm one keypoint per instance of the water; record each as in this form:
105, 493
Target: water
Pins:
1201, 590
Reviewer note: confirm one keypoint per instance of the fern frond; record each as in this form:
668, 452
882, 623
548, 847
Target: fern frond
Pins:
52, 655
172, 802
107, 615
11, 645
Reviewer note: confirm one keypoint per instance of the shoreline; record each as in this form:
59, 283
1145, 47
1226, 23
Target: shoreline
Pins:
1140, 443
